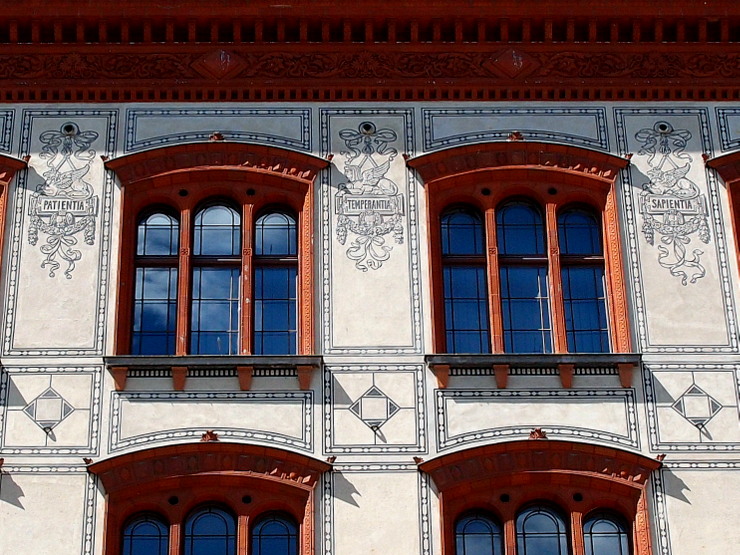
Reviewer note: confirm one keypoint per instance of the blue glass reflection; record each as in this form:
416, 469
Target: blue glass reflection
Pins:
155, 311
477, 534
466, 309
525, 309
217, 232
541, 531
275, 304
462, 232
215, 311
275, 235
606, 534
519, 229
210, 531
158, 235
146, 535
275, 534
585, 309
579, 233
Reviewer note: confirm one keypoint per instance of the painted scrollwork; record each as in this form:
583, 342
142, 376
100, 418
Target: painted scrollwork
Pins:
368, 203
671, 204
64, 205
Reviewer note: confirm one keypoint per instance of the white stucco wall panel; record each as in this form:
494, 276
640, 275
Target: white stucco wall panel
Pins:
42, 513
362, 505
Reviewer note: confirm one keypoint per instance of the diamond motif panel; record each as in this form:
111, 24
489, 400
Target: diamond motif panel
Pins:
697, 406
374, 408
48, 409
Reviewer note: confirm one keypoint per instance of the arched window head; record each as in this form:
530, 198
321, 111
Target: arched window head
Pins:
217, 231
605, 533
467, 328
158, 235
146, 534
210, 531
275, 534
476, 533
275, 235
540, 530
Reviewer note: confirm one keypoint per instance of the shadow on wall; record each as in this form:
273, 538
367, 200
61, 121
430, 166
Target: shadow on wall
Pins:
10, 492
673, 486
344, 489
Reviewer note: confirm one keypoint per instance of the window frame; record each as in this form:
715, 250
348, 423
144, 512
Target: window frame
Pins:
552, 176
184, 178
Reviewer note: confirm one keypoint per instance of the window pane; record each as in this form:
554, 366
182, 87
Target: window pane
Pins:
519, 229
275, 305
215, 311
605, 534
585, 309
275, 235
541, 531
217, 232
578, 233
146, 535
210, 531
525, 309
466, 309
155, 311
275, 535
477, 534
462, 233
158, 235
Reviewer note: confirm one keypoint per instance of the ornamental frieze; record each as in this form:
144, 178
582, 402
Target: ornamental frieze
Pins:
503, 63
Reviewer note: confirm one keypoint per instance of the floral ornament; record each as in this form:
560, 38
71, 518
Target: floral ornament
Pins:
65, 204
672, 204
368, 203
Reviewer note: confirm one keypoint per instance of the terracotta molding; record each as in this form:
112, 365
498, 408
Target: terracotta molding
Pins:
120, 375
501, 373
442, 373
566, 374
8, 168
625, 374
168, 161
142, 467
728, 168
503, 459
455, 162
245, 374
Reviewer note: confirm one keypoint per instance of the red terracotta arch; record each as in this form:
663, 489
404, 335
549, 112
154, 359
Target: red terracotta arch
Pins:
171, 481
577, 477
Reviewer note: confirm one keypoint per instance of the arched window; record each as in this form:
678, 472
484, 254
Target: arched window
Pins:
275, 534
465, 291
540, 530
275, 274
146, 534
155, 285
582, 267
478, 534
544, 237
523, 275
216, 261
605, 533
210, 531
188, 272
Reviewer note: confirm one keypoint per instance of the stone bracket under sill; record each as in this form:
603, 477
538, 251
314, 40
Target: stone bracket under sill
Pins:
566, 364
119, 367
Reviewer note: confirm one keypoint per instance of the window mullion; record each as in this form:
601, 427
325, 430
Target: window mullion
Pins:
555, 284
184, 280
246, 339
494, 285
242, 528
510, 537
175, 539
576, 533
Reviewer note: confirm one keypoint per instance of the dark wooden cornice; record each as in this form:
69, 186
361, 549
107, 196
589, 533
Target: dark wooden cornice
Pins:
229, 50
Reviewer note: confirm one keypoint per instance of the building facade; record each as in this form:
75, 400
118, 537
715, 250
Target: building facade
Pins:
408, 278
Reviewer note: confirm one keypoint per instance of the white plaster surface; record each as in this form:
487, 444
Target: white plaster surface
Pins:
363, 503
702, 511
41, 514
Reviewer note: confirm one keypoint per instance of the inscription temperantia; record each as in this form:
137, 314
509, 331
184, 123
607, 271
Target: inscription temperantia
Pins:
670, 203
64, 205
368, 202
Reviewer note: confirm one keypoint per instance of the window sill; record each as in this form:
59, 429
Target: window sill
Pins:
244, 367
565, 365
